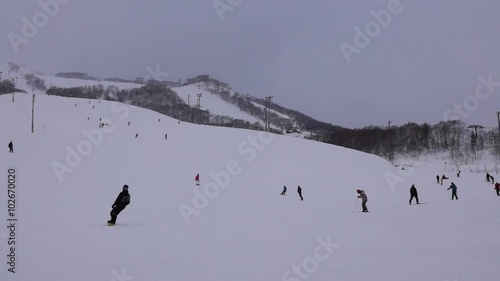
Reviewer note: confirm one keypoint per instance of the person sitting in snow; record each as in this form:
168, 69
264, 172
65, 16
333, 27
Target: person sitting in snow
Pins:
443, 178
121, 202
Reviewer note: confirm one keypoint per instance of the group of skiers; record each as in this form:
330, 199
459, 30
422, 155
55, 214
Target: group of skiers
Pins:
299, 191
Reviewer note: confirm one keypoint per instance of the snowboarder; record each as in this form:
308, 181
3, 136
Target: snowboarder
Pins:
497, 188
197, 179
453, 188
121, 202
437, 179
488, 177
364, 199
299, 191
284, 190
11, 147
413, 193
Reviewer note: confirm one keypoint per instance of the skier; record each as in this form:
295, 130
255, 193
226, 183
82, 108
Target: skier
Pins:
497, 188
284, 190
197, 179
136, 135
11, 147
488, 177
437, 179
453, 188
492, 179
121, 202
364, 199
165, 136
299, 191
413, 193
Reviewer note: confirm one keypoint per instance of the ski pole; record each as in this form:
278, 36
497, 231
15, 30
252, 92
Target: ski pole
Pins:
356, 205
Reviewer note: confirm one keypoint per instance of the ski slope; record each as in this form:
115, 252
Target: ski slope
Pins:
56, 81
188, 93
235, 225
212, 103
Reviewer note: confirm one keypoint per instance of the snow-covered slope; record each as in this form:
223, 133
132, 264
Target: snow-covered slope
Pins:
235, 225
50, 80
211, 102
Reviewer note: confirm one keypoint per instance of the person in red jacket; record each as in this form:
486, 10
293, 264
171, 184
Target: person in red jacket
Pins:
197, 179
497, 188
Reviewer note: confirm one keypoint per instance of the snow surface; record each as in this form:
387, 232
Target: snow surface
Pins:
243, 230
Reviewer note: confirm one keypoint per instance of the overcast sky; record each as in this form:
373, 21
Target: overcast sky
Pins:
421, 65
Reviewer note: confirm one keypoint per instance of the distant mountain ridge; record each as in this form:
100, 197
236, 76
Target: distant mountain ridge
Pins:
205, 100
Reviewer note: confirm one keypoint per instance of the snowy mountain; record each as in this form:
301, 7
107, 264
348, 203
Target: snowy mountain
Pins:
61, 180
202, 93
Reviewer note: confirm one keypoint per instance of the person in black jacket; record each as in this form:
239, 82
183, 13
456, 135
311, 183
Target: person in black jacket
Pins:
299, 191
11, 147
453, 188
284, 190
364, 199
413, 193
121, 202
